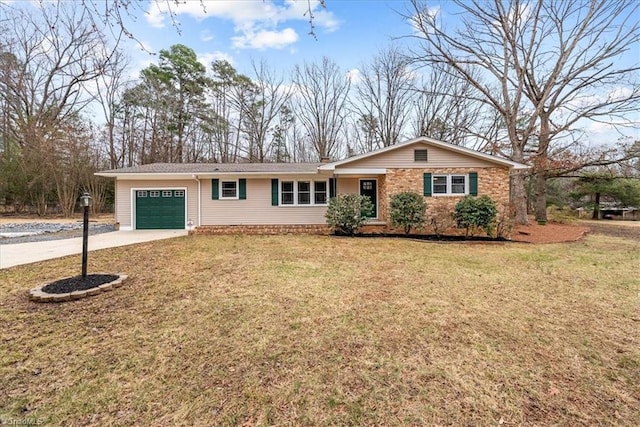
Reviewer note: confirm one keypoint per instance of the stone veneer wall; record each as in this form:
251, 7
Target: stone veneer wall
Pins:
266, 229
493, 182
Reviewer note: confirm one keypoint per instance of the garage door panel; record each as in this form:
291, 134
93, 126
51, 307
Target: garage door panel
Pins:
160, 209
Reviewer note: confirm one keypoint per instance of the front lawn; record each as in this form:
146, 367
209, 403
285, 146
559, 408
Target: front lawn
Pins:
305, 330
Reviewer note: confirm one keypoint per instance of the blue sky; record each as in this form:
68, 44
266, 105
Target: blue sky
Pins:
348, 31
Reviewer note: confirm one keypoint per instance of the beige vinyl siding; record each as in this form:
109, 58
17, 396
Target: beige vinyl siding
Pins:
348, 185
257, 209
124, 208
403, 158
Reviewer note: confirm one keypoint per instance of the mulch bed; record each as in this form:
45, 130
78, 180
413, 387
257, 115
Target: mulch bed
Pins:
552, 232
77, 283
434, 237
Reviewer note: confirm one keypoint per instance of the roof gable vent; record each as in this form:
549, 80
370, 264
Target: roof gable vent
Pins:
420, 155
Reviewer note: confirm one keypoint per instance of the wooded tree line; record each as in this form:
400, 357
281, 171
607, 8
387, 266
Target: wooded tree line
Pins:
516, 80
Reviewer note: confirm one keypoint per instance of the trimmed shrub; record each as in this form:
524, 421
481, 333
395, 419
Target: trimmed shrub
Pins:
407, 210
473, 213
347, 212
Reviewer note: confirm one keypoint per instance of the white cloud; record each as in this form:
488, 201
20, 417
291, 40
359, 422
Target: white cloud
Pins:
265, 39
620, 93
155, 16
600, 127
354, 76
255, 22
208, 57
322, 18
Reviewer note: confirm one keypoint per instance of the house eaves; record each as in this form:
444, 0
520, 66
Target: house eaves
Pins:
428, 141
190, 170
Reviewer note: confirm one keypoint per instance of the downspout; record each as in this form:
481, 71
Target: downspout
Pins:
199, 196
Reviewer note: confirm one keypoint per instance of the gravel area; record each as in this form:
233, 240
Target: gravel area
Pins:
42, 231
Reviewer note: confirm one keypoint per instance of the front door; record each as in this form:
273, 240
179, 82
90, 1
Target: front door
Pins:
369, 187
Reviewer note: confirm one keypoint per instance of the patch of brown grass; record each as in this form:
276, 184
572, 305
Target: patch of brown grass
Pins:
304, 330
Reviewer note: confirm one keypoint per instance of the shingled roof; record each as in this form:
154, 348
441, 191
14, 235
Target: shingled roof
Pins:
212, 168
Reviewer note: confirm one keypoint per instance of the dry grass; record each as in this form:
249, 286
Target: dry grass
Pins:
299, 330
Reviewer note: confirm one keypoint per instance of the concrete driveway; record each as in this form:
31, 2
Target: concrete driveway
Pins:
27, 253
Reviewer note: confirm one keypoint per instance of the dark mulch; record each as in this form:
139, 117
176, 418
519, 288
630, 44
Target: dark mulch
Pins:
432, 237
77, 283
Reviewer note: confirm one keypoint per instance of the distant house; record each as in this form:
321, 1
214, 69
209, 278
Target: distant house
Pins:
272, 198
611, 211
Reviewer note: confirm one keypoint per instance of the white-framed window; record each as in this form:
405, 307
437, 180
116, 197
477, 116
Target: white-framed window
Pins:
450, 184
287, 192
228, 189
178, 193
154, 193
303, 193
142, 193
167, 193
320, 192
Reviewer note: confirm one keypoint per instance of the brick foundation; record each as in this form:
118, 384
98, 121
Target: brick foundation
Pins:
267, 229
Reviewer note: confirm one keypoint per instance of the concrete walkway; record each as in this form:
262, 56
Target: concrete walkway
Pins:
27, 253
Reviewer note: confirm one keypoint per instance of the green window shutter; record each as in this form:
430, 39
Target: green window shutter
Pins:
473, 183
215, 189
427, 184
242, 190
274, 192
332, 188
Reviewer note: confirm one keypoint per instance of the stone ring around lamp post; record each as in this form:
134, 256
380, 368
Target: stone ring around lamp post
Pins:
73, 288
82, 286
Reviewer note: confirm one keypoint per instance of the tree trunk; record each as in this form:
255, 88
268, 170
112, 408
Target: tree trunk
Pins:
541, 165
519, 198
596, 207
541, 196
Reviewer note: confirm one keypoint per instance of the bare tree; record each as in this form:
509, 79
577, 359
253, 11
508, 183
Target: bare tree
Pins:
52, 55
384, 93
270, 95
110, 86
445, 109
59, 52
322, 93
545, 66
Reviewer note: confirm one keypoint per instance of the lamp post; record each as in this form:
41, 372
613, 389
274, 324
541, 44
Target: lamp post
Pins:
86, 202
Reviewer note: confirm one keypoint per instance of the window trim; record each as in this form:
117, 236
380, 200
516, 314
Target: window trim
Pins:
449, 184
312, 192
221, 192
294, 186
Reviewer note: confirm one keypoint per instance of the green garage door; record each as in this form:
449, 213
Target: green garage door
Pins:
159, 209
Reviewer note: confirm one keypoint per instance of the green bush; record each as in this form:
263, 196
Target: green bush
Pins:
347, 212
407, 210
474, 213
